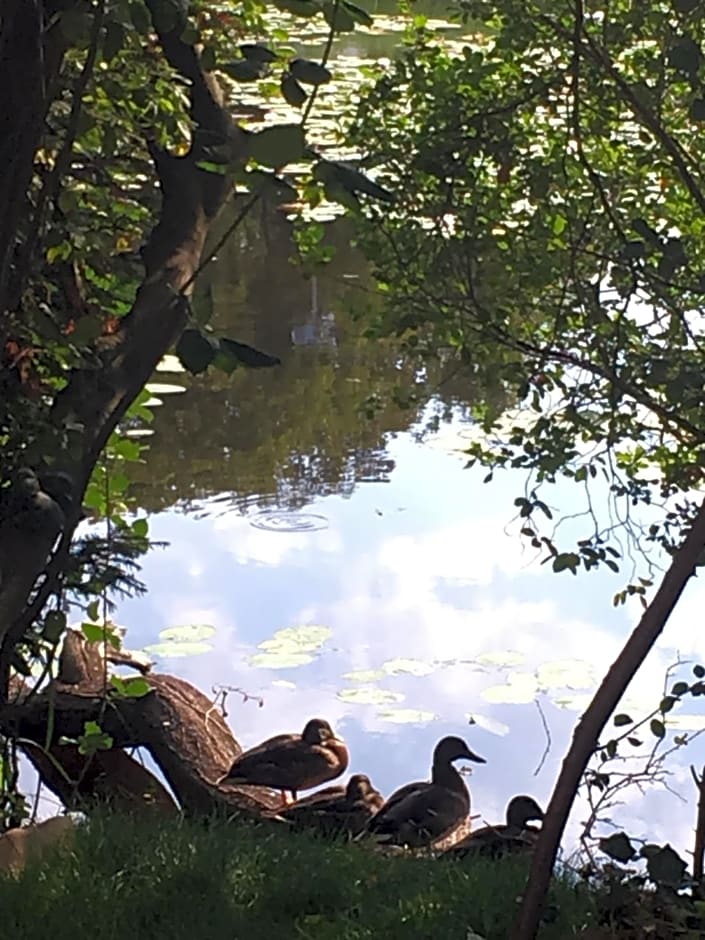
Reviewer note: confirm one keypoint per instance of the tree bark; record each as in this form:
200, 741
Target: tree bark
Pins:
182, 729
590, 726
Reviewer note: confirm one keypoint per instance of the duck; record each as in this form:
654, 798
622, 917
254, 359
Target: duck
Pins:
419, 814
292, 762
338, 810
514, 837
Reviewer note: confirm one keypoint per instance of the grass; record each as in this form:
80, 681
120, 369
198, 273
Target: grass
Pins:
155, 880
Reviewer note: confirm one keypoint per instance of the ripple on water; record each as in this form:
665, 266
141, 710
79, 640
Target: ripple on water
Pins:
283, 520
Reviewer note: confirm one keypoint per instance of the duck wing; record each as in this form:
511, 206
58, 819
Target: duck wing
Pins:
421, 814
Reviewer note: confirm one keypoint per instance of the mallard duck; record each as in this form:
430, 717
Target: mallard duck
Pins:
515, 836
292, 762
336, 810
421, 813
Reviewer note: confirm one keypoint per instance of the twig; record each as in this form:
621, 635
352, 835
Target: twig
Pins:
547, 732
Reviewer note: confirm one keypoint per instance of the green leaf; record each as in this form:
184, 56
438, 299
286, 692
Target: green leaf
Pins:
699, 671
697, 109
113, 40
54, 625
136, 687
685, 56
667, 703
292, 92
657, 728
679, 688
618, 846
247, 355
244, 70
358, 14
140, 527
337, 17
139, 15
195, 351
666, 867
566, 561
276, 146
633, 250
350, 178
621, 720
309, 73
93, 610
255, 52
93, 632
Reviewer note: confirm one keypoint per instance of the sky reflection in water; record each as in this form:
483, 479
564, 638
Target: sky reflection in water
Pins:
423, 567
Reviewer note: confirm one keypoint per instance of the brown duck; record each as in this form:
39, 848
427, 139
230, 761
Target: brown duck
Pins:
421, 813
514, 837
292, 762
336, 810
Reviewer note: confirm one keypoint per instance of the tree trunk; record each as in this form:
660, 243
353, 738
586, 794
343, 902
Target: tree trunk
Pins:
590, 726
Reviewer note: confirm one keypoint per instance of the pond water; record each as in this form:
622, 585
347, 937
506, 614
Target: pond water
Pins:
326, 562
330, 554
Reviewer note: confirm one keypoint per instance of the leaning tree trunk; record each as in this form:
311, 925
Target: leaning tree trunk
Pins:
94, 400
182, 729
589, 728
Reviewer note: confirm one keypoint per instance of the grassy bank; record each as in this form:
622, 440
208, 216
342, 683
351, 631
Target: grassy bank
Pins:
148, 880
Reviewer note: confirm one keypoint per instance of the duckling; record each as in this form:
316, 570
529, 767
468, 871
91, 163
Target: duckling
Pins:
292, 762
336, 810
421, 813
515, 836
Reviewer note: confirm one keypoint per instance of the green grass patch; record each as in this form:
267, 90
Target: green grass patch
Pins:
184, 880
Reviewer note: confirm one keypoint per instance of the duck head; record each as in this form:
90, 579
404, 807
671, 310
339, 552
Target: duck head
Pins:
451, 749
521, 809
359, 786
318, 731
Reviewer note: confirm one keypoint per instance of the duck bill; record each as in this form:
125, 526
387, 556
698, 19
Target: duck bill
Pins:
471, 755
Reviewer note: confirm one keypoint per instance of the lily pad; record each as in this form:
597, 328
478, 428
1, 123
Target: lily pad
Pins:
164, 388
412, 667
502, 659
369, 696
365, 675
406, 716
169, 363
177, 648
565, 673
280, 660
302, 639
519, 690
190, 632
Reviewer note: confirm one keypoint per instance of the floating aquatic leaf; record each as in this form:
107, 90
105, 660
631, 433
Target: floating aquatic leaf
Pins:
406, 716
502, 659
488, 724
280, 660
306, 638
575, 703
189, 632
169, 363
520, 689
369, 696
162, 388
177, 648
365, 675
565, 673
413, 667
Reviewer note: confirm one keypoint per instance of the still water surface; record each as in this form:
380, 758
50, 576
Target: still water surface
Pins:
416, 611
415, 607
